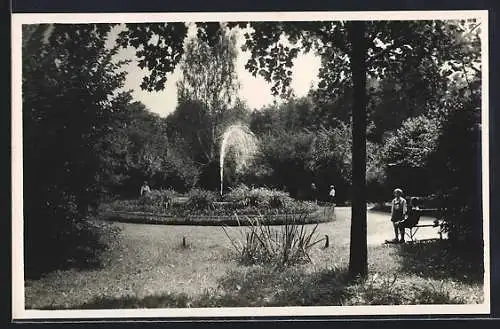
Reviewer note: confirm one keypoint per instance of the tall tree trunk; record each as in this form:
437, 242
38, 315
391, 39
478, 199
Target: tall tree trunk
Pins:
358, 266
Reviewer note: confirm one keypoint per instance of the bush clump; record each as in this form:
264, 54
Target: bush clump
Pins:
198, 202
238, 196
199, 199
282, 246
262, 198
73, 243
157, 200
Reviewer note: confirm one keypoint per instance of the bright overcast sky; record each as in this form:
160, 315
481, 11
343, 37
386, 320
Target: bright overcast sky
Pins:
255, 91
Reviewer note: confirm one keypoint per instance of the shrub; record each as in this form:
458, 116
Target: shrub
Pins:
299, 207
65, 169
279, 199
89, 239
202, 203
261, 198
72, 242
242, 200
238, 196
285, 245
157, 200
201, 199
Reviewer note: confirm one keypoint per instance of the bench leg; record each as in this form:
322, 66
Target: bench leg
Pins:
409, 234
413, 232
440, 233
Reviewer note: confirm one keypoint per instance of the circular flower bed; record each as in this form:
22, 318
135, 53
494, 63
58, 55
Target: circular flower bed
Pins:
200, 207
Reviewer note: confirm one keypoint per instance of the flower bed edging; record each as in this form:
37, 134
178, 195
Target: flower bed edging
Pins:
152, 218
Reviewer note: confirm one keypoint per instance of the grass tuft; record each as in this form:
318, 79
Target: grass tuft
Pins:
285, 245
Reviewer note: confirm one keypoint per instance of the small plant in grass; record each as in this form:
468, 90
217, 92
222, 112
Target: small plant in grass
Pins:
384, 290
381, 291
375, 290
285, 245
436, 294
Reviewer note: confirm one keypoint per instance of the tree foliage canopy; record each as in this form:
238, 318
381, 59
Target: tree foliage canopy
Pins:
70, 101
209, 73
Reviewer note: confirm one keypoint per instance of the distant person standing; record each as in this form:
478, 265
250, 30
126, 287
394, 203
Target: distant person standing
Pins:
398, 213
314, 192
332, 194
145, 188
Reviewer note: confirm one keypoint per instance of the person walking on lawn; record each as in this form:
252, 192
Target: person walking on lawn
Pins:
398, 214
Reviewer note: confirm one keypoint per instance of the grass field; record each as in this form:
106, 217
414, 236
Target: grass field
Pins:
151, 268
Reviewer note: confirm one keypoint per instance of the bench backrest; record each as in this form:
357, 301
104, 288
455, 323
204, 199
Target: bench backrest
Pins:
413, 218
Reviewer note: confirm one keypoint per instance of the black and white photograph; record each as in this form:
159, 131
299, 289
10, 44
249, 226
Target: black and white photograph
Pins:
250, 164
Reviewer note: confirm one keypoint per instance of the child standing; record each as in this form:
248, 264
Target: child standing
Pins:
398, 213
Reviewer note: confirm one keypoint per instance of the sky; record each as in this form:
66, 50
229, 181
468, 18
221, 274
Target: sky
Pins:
255, 91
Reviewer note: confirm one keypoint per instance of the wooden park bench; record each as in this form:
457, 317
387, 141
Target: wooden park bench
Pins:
412, 225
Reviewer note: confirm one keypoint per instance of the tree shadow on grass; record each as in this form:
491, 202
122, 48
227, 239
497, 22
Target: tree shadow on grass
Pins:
440, 259
130, 302
254, 286
264, 286
81, 246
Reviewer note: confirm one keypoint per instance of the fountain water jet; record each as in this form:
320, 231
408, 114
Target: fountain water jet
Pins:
242, 142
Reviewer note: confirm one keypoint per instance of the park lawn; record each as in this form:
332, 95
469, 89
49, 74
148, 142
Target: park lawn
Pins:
151, 268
